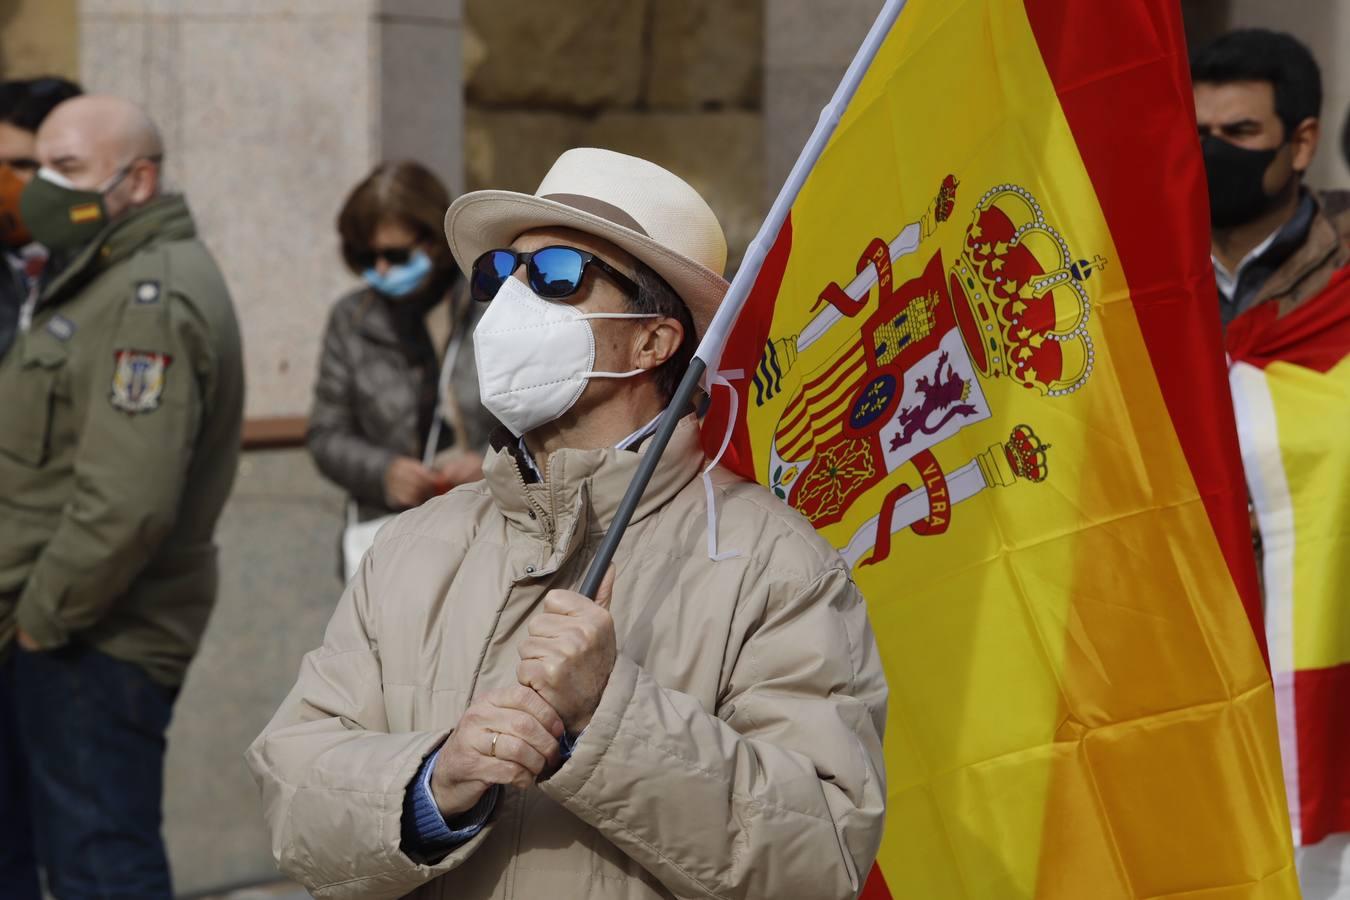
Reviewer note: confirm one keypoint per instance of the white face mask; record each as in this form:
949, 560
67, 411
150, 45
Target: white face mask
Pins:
534, 357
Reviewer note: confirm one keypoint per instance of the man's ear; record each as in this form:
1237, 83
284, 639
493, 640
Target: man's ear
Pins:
657, 341
1303, 142
144, 177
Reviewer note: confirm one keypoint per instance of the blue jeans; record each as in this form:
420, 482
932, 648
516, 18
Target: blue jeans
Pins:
18, 865
93, 732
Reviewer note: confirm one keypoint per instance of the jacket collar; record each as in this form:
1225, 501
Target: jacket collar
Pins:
166, 218
584, 487
373, 318
1323, 248
1266, 258
376, 316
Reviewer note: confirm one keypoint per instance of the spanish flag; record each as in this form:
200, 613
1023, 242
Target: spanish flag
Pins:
982, 356
1290, 377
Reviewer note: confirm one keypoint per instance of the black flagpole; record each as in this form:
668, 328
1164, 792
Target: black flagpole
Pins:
738, 291
679, 405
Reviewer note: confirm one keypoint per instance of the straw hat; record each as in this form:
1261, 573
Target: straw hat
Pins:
637, 205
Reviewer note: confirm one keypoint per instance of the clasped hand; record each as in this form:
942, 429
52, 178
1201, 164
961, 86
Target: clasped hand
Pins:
511, 736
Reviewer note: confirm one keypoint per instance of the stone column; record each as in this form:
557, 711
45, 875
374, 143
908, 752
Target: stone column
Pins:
271, 111
807, 46
673, 81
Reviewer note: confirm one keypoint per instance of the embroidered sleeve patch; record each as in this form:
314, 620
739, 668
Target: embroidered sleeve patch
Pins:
138, 380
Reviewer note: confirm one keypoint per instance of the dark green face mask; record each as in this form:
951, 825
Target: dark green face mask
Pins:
62, 216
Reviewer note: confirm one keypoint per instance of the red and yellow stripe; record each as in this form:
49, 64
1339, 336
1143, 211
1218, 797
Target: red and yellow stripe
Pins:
815, 415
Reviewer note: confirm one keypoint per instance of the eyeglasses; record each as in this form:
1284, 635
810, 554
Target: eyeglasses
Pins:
553, 273
21, 164
395, 256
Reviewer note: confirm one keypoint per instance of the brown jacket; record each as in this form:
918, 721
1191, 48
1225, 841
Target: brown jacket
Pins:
1309, 268
736, 751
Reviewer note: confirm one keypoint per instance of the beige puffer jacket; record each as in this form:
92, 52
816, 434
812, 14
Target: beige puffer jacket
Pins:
736, 751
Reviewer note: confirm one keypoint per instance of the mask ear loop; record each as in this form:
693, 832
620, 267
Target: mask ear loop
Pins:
628, 374
722, 379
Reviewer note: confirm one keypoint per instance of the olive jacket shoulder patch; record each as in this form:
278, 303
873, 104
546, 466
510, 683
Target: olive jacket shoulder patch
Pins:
138, 380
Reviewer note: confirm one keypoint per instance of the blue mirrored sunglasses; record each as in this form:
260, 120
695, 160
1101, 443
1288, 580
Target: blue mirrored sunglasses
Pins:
553, 273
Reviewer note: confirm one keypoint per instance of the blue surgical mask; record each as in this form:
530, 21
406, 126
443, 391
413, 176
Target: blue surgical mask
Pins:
400, 281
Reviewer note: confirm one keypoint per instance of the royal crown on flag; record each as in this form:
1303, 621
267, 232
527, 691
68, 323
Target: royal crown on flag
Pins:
1026, 454
1026, 310
1021, 457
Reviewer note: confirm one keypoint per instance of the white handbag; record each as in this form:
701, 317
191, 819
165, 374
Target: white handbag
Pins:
358, 536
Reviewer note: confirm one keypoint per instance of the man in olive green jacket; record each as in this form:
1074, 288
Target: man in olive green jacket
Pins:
119, 439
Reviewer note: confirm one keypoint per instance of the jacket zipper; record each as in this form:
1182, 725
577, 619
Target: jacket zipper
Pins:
540, 514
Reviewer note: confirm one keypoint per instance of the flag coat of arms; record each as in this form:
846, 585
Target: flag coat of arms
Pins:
982, 356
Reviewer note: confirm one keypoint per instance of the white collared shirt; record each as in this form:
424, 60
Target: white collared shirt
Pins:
1228, 281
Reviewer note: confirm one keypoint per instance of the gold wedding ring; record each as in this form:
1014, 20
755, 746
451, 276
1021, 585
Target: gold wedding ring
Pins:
495, 735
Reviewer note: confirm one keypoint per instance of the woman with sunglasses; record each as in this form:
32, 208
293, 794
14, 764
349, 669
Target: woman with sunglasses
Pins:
396, 417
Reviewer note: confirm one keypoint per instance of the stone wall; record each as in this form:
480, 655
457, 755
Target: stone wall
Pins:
676, 81
808, 45
37, 37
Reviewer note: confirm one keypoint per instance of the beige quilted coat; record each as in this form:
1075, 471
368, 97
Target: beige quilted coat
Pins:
736, 751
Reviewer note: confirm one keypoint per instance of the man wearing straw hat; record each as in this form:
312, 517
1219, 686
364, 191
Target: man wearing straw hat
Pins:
709, 725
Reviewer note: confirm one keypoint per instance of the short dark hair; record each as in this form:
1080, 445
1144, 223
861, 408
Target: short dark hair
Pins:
11, 92
655, 296
406, 192
38, 98
1257, 54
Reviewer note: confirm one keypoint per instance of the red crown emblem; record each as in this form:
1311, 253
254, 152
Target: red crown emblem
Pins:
1026, 311
1021, 457
1026, 454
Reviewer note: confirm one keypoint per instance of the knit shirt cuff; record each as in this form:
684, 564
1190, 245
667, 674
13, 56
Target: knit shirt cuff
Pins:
426, 830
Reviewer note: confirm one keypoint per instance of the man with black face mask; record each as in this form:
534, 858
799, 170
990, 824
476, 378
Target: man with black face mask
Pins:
1281, 263
1258, 95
